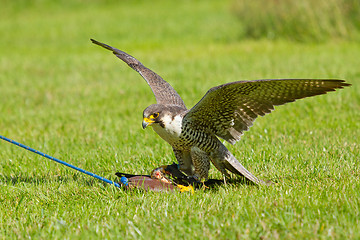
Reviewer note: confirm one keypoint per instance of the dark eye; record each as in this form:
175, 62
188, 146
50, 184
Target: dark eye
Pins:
155, 115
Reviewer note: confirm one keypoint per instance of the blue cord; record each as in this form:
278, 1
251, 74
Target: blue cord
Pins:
59, 161
124, 181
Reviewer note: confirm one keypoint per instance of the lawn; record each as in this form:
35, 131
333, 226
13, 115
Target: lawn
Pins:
64, 96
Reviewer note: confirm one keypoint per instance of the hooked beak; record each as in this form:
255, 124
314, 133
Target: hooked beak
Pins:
146, 122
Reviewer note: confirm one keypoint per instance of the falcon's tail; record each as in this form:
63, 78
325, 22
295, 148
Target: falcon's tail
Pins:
234, 166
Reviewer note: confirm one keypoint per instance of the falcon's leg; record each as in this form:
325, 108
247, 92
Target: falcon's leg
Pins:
201, 163
185, 162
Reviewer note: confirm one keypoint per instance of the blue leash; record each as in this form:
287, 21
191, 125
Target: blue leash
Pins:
61, 162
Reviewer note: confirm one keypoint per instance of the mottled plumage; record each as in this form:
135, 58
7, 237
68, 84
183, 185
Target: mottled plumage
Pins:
225, 111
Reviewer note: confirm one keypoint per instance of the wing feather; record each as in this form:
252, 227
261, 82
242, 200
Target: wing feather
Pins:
163, 91
230, 109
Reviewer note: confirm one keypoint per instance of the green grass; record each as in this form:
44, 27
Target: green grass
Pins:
73, 100
307, 20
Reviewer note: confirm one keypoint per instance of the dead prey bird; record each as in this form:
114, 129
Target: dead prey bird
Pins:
225, 111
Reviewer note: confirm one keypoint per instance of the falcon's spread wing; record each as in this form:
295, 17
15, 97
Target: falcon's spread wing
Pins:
229, 109
163, 91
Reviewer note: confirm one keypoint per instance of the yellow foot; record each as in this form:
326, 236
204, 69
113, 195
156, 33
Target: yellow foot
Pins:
186, 188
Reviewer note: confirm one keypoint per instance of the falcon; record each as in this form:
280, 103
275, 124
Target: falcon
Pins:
225, 112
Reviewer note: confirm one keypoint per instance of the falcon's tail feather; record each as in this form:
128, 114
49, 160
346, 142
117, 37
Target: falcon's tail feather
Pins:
234, 166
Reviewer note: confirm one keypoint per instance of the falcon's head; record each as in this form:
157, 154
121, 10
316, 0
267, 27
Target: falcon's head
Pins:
160, 114
153, 114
